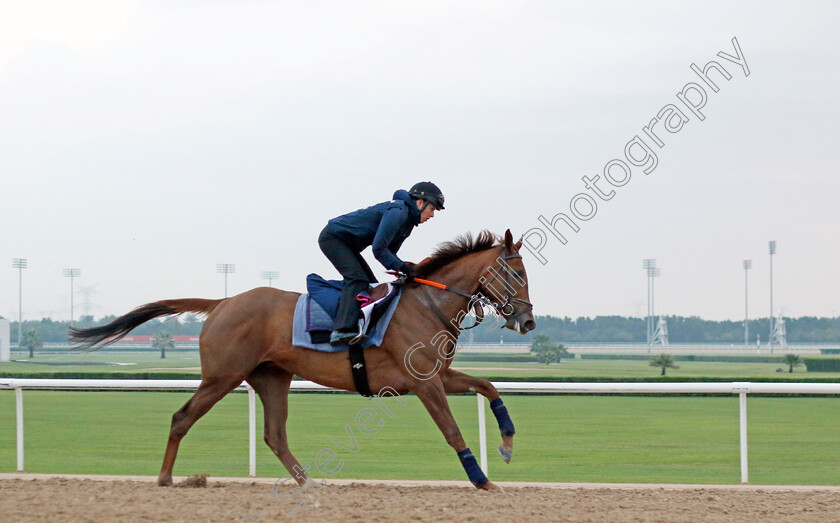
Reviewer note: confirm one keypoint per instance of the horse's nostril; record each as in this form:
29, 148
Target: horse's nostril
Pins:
530, 325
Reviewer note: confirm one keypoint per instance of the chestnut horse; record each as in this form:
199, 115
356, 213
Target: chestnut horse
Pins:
249, 337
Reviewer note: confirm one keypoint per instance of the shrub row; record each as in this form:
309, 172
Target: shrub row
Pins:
552, 379
722, 358
661, 379
529, 358
496, 358
822, 364
104, 375
16, 351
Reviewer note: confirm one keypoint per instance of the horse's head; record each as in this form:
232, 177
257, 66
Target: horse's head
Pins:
502, 283
505, 283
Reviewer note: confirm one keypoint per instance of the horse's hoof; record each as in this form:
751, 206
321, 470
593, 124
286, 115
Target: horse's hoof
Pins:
492, 487
506, 454
311, 484
164, 482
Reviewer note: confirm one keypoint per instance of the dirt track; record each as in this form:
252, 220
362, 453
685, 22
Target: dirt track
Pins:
62, 499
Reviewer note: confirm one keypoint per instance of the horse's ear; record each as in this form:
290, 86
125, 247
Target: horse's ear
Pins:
508, 240
518, 244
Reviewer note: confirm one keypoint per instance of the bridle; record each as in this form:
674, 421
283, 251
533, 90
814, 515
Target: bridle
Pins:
505, 308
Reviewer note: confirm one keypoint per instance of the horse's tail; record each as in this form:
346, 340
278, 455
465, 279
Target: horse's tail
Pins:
98, 337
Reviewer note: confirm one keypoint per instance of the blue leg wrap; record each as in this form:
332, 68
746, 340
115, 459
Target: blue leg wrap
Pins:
501, 413
474, 472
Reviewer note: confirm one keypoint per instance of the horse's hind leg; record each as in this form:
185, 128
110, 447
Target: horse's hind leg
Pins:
455, 382
207, 395
272, 385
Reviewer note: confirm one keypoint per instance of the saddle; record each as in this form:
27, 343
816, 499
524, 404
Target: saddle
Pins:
315, 312
327, 293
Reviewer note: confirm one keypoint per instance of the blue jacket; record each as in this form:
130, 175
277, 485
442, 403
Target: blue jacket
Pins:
385, 226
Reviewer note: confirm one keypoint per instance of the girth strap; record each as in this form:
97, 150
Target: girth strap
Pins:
359, 370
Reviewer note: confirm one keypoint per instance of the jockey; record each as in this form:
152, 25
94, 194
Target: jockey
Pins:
384, 226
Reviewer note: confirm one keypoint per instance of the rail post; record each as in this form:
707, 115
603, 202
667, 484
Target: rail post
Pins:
19, 416
742, 414
742, 389
252, 432
482, 434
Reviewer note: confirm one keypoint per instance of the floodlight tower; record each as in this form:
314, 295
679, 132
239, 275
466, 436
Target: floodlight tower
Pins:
747, 267
772, 246
269, 275
20, 264
226, 268
652, 271
71, 273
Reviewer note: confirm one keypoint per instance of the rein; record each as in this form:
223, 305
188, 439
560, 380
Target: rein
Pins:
440, 315
435, 284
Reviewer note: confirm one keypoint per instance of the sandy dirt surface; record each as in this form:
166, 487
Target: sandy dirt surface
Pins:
72, 499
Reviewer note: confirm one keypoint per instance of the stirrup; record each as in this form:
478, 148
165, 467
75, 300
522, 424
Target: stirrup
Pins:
361, 337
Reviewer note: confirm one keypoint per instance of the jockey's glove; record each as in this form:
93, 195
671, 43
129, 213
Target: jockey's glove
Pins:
409, 269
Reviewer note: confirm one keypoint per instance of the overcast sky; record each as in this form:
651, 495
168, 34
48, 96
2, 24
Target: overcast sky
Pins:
145, 142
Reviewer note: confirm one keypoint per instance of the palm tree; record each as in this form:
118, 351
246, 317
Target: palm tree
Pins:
664, 361
162, 342
541, 342
31, 340
552, 354
792, 360
547, 352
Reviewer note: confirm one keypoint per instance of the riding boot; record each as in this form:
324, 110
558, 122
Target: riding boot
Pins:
346, 327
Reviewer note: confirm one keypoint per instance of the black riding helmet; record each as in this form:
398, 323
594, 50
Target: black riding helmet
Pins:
429, 192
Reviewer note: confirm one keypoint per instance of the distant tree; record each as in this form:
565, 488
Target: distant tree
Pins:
792, 360
665, 361
191, 325
85, 322
547, 352
162, 342
541, 342
611, 329
32, 340
550, 355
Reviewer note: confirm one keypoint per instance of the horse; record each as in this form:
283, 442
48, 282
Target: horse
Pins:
249, 337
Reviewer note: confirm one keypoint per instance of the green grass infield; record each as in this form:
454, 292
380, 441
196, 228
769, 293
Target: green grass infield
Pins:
648, 439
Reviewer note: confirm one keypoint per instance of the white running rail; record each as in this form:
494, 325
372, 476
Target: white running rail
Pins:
739, 388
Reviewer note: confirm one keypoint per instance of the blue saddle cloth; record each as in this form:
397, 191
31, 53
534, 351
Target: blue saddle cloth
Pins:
325, 292
315, 313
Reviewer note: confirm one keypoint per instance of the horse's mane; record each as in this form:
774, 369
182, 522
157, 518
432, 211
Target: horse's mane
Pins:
448, 252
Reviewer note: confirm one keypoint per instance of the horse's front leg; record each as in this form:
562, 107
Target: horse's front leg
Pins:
455, 382
431, 393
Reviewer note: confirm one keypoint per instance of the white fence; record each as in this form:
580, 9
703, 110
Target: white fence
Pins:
740, 388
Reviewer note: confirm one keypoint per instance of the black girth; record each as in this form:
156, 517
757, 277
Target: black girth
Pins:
359, 370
